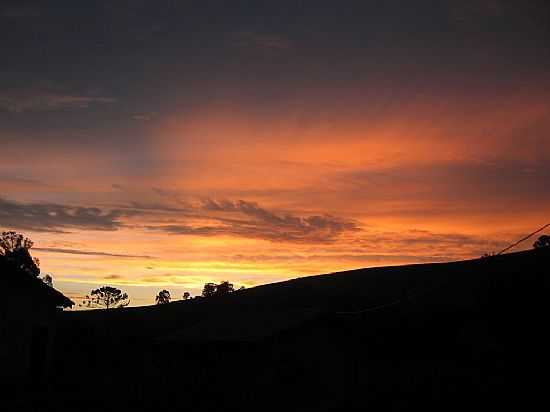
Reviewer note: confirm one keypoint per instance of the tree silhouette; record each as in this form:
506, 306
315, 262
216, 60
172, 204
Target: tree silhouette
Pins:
163, 297
48, 280
106, 297
488, 255
224, 288
209, 290
186, 295
542, 241
11, 241
15, 248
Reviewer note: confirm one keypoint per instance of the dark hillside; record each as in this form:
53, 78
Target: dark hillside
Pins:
265, 309
449, 336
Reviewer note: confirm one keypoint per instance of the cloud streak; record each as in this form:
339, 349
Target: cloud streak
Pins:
247, 219
209, 218
89, 253
51, 217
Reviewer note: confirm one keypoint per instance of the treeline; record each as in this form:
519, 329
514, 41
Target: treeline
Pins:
15, 248
210, 289
108, 297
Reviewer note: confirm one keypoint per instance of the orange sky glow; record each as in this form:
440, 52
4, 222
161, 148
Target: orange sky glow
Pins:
278, 163
408, 187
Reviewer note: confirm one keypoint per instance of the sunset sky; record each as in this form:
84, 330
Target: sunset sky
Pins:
157, 145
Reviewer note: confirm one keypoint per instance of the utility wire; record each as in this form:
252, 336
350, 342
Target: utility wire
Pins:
398, 301
523, 239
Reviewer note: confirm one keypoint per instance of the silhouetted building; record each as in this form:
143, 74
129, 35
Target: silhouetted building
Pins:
27, 324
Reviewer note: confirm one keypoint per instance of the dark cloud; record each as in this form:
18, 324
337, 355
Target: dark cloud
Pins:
89, 253
157, 207
51, 217
191, 230
112, 277
118, 187
259, 223
239, 218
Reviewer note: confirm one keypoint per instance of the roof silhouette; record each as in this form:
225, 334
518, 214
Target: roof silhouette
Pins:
14, 277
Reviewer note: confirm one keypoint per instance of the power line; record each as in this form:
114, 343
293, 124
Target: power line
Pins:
523, 239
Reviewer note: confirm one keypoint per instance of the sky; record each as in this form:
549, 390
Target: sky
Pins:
162, 145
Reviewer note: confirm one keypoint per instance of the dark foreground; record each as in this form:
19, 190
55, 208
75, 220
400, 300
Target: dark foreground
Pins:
439, 337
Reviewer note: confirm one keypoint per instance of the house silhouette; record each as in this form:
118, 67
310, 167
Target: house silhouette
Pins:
28, 309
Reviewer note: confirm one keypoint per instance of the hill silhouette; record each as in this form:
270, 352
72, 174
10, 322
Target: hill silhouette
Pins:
445, 335
261, 311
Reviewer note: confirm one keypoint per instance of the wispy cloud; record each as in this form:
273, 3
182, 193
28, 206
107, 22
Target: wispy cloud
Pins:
209, 218
112, 277
116, 186
51, 217
421, 243
90, 253
249, 220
